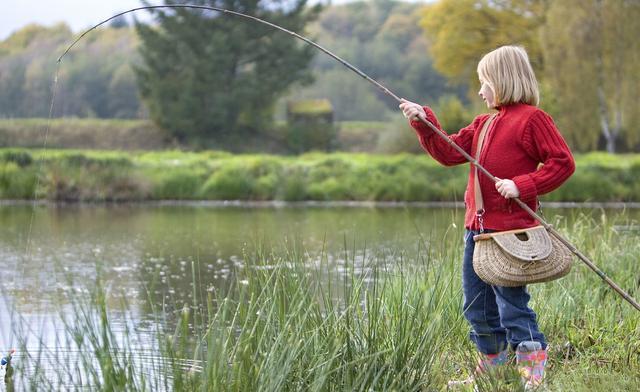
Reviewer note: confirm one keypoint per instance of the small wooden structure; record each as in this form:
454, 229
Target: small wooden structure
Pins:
310, 125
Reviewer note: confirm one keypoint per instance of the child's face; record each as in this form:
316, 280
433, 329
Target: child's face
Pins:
487, 95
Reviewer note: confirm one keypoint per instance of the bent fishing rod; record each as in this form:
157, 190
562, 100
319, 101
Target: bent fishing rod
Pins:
388, 92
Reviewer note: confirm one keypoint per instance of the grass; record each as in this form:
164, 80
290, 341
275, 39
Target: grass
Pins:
91, 175
355, 324
89, 133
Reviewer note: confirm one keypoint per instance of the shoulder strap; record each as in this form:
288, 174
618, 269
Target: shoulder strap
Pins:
476, 184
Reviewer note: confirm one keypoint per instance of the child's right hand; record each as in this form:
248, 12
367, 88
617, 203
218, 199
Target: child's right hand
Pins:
412, 110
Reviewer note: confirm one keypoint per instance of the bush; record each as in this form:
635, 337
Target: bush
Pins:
101, 176
179, 184
16, 182
229, 183
399, 138
452, 114
21, 158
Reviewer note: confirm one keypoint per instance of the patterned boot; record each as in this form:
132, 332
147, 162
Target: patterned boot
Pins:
531, 360
487, 363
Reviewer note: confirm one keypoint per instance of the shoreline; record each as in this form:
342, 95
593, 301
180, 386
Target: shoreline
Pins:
302, 204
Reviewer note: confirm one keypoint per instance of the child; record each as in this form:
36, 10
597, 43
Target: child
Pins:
516, 141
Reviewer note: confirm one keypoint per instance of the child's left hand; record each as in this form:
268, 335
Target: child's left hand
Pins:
507, 188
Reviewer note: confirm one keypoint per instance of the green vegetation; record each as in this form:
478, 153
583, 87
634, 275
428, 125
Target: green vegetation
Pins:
288, 325
96, 80
406, 46
310, 107
569, 42
594, 41
92, 133
310, 126
208, 78
384, 40
76, 175
97, 77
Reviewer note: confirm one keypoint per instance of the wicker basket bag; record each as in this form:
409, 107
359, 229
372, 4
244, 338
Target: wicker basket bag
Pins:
520, 257
515, 257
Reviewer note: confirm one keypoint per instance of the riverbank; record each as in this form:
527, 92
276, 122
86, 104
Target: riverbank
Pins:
271, 204
111, 176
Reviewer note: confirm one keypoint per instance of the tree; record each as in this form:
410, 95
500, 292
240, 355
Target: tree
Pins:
593, 60
95, 79
208, 78
462, 31
383, 39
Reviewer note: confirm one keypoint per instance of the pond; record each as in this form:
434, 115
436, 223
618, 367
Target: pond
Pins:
157, 257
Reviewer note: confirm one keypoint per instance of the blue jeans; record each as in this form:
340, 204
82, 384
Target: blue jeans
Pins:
499, 316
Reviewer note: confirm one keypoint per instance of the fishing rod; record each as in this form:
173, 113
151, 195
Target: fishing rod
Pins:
388, 92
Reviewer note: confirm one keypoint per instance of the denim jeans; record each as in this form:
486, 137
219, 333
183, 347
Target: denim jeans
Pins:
499, 316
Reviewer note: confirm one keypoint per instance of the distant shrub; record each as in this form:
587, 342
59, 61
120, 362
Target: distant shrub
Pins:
21, 158
80, 160
399, 138
293, 184
16, 182
229, 183
452, 114
179, 184
361, 136
594, 183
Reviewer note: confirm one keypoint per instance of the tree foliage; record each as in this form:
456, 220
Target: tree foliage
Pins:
95, 79
208, 77
384, 40
381, 37
593, 57
586, 55
461, 31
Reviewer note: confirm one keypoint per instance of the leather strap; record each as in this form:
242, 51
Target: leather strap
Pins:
476, 185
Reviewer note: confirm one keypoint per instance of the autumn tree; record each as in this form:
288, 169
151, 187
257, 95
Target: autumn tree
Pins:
592, 54
461, 31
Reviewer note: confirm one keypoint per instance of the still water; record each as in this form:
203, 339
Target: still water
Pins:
47, 249
152, 256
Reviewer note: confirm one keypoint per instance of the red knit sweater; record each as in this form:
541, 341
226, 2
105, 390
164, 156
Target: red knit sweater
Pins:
517, 141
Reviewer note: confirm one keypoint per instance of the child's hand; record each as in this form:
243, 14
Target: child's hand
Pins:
412, 110
507, 188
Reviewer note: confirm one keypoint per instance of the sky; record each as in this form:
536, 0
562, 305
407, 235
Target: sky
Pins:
79, 14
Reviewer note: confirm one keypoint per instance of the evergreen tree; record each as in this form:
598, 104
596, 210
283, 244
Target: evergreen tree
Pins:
209, 78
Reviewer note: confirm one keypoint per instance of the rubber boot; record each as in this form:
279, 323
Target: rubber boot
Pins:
531, 360
487, 363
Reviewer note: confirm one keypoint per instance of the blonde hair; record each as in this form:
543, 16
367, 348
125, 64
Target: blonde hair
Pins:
509, 74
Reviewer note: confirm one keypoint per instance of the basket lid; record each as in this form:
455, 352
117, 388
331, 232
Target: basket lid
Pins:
533, 244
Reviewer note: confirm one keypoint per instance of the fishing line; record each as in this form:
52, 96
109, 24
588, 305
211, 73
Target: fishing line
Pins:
34, 202
42, 157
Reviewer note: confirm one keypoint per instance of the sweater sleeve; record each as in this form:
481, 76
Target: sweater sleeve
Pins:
437, 146
543, 142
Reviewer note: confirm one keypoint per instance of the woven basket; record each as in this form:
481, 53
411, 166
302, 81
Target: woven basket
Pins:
520, 257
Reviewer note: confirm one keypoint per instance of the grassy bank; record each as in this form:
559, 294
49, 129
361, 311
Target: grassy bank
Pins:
77, 175
284, 326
